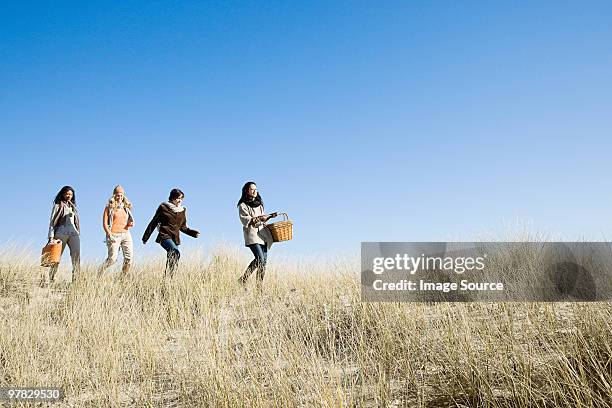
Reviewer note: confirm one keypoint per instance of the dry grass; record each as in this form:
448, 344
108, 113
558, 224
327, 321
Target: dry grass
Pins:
308, 340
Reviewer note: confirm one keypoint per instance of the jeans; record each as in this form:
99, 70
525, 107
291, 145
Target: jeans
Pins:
260, 252
173, 255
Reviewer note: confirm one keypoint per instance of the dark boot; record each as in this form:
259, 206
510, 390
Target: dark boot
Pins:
249, 270
53, 272
261, 272
172, 262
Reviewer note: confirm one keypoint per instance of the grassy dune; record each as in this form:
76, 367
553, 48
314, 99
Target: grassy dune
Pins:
307, 340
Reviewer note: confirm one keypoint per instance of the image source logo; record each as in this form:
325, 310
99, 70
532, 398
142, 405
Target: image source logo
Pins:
486, 271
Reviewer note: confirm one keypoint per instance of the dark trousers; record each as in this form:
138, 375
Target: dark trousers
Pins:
74, 243
260, 252
173, 255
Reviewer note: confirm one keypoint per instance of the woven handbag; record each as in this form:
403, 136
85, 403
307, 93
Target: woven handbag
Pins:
281, 230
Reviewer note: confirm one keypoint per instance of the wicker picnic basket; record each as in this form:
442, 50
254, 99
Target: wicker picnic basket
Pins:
51, 254
281, 230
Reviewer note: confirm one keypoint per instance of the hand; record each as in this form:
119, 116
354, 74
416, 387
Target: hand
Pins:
274, 215
197, 234
130, 224
108, 237
144, 242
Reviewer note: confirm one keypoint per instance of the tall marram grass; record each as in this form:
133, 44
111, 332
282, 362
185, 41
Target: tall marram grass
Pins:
307, 340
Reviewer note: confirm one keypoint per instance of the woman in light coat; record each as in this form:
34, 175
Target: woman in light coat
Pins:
257, 236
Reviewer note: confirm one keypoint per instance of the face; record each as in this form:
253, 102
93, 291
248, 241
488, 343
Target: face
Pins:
252, 191
68, 195
178, 201
119, 194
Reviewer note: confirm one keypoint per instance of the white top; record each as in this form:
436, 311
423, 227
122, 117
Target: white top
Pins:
254, 234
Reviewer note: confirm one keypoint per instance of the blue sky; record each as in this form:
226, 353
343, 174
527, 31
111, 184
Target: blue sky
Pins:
365, 121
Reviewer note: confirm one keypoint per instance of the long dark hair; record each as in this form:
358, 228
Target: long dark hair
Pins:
60, 196
244, 198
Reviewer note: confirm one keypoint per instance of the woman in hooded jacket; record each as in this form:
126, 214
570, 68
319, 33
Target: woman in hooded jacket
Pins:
170, 219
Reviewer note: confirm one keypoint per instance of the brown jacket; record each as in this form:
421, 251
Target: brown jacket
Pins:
170, 223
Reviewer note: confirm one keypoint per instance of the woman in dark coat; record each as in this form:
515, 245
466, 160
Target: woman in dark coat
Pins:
170, 219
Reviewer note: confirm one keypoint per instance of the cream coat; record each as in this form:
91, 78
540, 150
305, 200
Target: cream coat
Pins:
254, 234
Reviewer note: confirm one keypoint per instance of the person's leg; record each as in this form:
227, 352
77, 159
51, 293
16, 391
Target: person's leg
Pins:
173, 256
74, 243
54, 268
263, 257
253, 265
113, 252
127, 247
248, 271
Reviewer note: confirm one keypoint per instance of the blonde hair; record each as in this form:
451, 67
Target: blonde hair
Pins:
112, 203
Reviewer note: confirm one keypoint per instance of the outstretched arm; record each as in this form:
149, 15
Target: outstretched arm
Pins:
247, 220
186, 230
152, 225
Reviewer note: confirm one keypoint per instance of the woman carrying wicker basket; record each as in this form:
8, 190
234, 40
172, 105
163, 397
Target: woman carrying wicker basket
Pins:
256, 236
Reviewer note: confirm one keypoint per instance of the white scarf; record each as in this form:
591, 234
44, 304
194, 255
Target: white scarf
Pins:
174, 208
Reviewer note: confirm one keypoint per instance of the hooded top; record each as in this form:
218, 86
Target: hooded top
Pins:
169, 222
